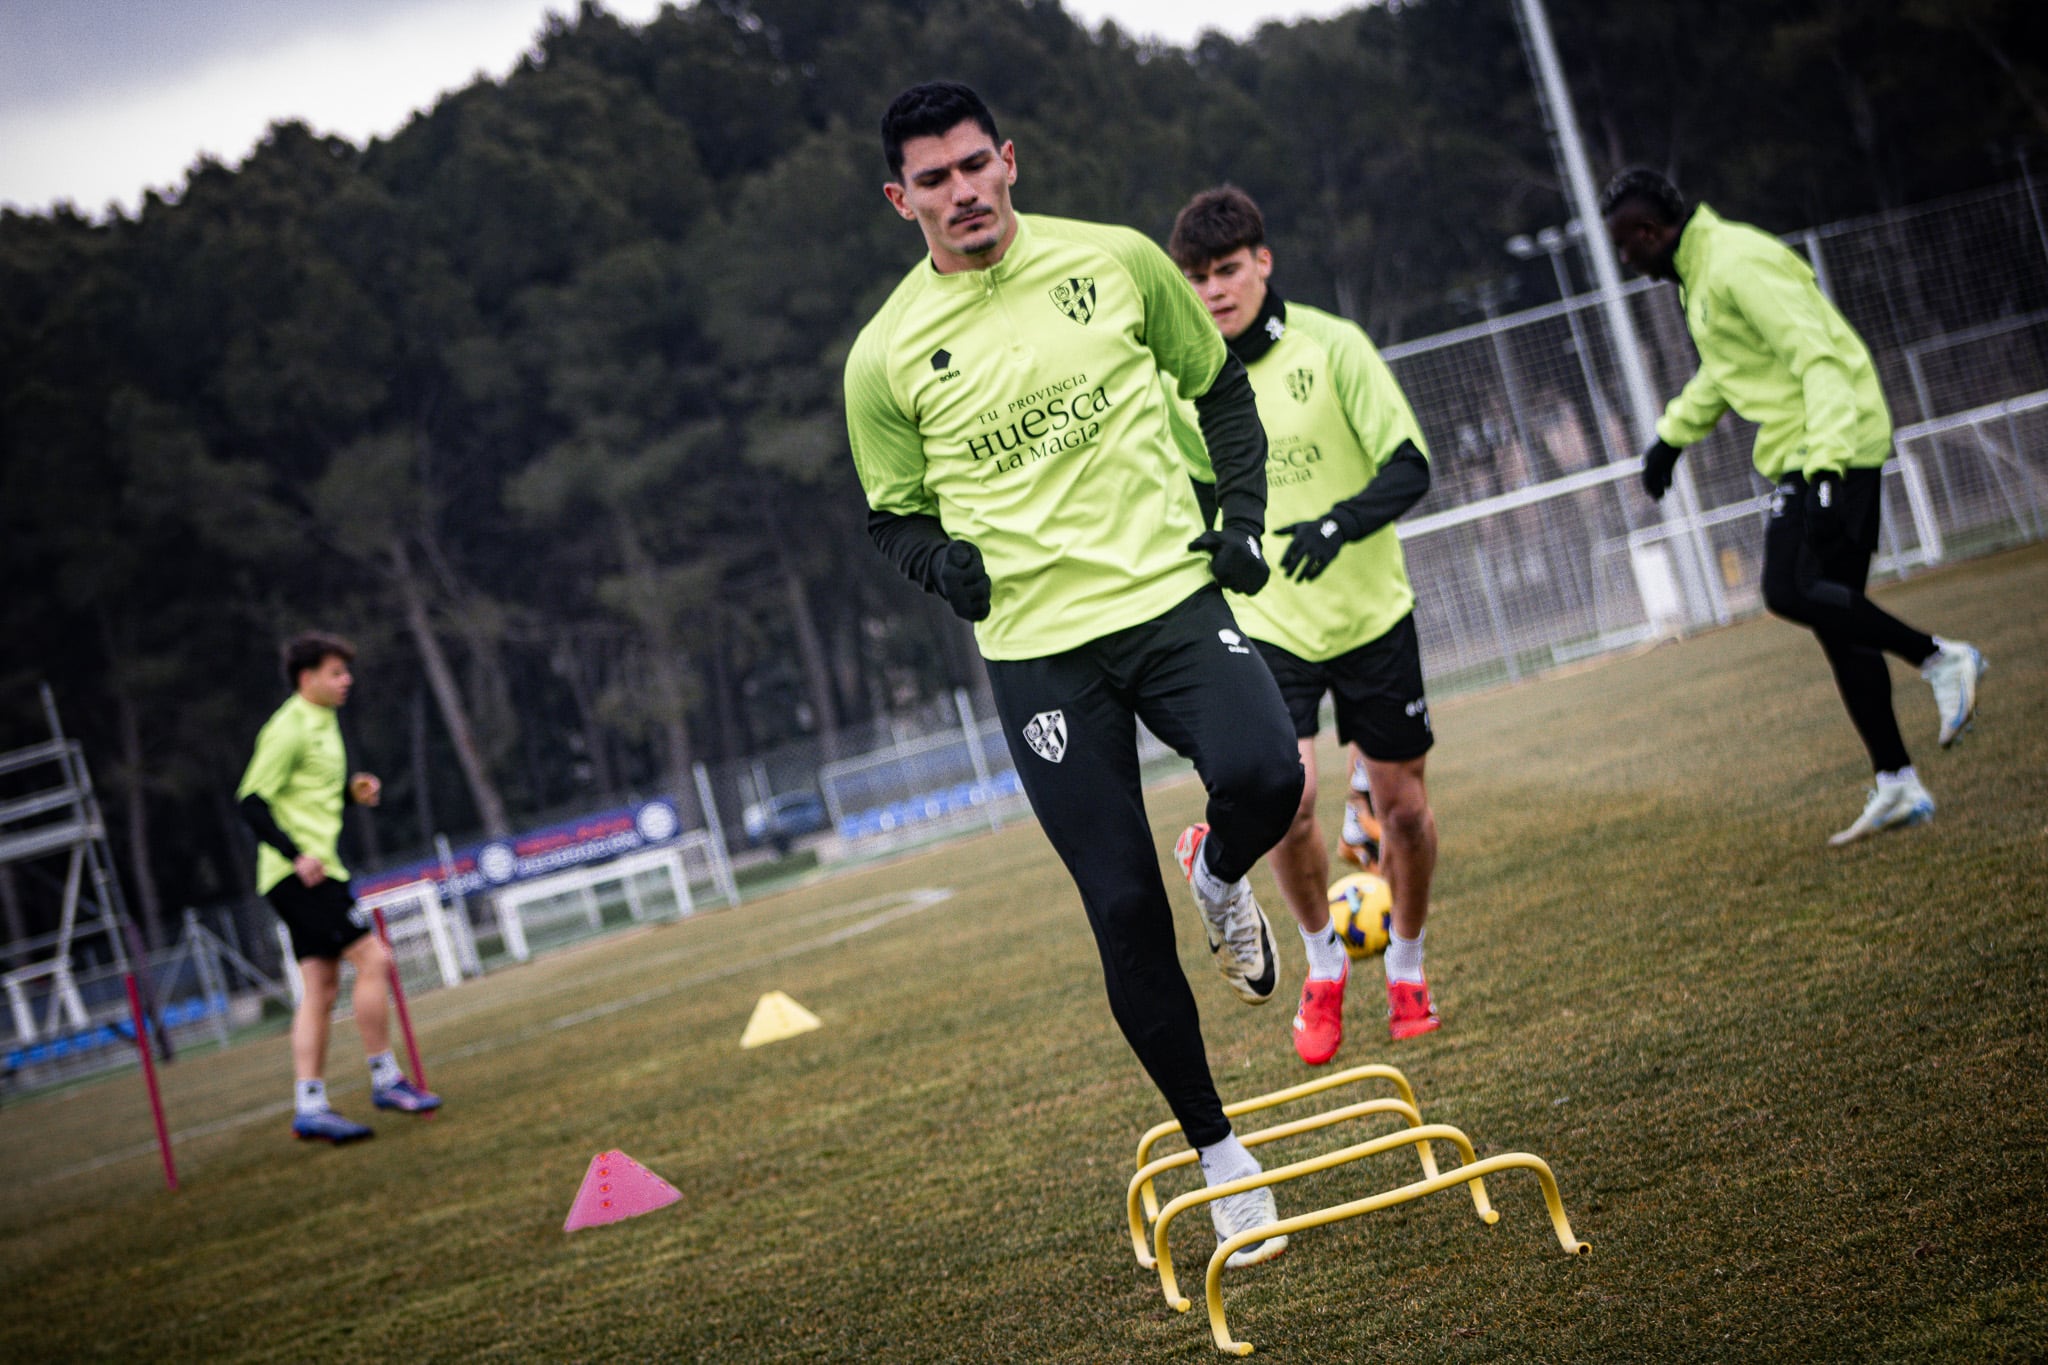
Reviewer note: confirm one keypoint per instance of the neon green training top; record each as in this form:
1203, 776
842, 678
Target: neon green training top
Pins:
1333, 415
1024, 406
1774, 349
301, 772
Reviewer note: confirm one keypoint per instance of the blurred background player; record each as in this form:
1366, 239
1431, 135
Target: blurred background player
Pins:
1359, 843
292, 797
1344, 458
1007, 412
1776, 351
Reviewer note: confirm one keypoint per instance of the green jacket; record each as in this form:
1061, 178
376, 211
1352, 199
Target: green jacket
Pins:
1333, 415
1776, 351
1023, 406
301, 771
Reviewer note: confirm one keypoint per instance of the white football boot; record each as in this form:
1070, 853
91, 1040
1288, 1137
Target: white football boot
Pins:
1892, 805
1235, 1213
1953, 673
1240, 935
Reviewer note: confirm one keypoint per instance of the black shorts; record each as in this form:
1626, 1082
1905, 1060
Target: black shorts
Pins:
325, 920
1377, 689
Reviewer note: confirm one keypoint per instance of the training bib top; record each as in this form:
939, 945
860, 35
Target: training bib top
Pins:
1023, 405
1333, 415
300, 770
1773, 348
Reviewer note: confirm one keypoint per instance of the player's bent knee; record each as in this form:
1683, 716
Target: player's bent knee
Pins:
1407, 821
370, 955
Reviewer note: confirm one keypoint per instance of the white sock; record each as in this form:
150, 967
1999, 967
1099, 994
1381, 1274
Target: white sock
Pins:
1227, 1160
1404, 956
309, 1097
1211, 888
1326, 956
1899, 778
384, 1070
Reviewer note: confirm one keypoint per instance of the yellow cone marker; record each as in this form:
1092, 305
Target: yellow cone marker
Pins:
776, 1017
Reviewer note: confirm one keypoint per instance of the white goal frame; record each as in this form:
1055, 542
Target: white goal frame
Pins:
418, 925
583, 883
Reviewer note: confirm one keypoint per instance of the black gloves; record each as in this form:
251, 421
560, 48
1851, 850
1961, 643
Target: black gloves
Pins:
1234, 558
962, 581
1315, 544
1824, 524
1658, 462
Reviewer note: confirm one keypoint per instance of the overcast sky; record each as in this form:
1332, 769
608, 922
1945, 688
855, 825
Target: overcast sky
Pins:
101, 99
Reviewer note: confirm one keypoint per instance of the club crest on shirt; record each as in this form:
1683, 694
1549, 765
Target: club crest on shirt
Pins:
1076, 298
1047, 735
1300, 384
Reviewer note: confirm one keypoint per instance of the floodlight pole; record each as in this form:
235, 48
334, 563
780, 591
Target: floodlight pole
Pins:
1555, 97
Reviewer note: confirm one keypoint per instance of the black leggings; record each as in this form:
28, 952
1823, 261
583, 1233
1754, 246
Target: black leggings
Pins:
1822, 589
1071, 721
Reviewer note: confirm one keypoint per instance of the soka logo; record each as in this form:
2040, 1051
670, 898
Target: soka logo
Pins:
1233, 641
1300, 384
942, 365
1047, 735
1076, 298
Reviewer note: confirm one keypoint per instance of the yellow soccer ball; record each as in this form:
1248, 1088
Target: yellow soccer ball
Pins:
1362, 911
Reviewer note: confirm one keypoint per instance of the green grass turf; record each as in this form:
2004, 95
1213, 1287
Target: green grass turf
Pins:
1794, 1096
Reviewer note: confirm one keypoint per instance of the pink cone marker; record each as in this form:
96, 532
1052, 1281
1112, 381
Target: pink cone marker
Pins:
615, 1188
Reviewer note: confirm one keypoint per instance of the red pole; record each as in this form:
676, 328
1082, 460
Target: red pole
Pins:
156, 1104
412, 1048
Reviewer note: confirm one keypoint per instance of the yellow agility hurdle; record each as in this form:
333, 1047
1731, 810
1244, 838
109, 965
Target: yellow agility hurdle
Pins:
1352, 1076
1468, 1173
1220, 1330
1141, 1183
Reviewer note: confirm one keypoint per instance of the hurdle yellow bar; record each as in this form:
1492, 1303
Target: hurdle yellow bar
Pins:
1142, 1181
1468, 1173
1220, 1330
1372, 1071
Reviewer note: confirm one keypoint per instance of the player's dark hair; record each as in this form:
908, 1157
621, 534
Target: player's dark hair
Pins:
310, 649
1641, 185
1214, 224
932, 109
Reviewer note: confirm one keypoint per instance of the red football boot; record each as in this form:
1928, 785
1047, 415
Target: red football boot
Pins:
1319, 1023
1409, 1010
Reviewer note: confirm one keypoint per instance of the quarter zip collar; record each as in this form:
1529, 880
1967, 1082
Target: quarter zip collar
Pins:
984, 281
1268, 326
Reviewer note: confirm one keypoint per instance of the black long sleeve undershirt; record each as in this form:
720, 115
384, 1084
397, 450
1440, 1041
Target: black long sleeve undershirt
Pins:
913, 542
1400, 484
1229, 415
256, 814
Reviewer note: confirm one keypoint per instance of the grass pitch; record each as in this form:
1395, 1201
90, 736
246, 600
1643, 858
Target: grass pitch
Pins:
1794, 1096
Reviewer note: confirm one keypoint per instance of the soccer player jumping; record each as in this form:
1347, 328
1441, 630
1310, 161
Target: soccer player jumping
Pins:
1345, 457
1774, 349
292, 797
1008, 419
